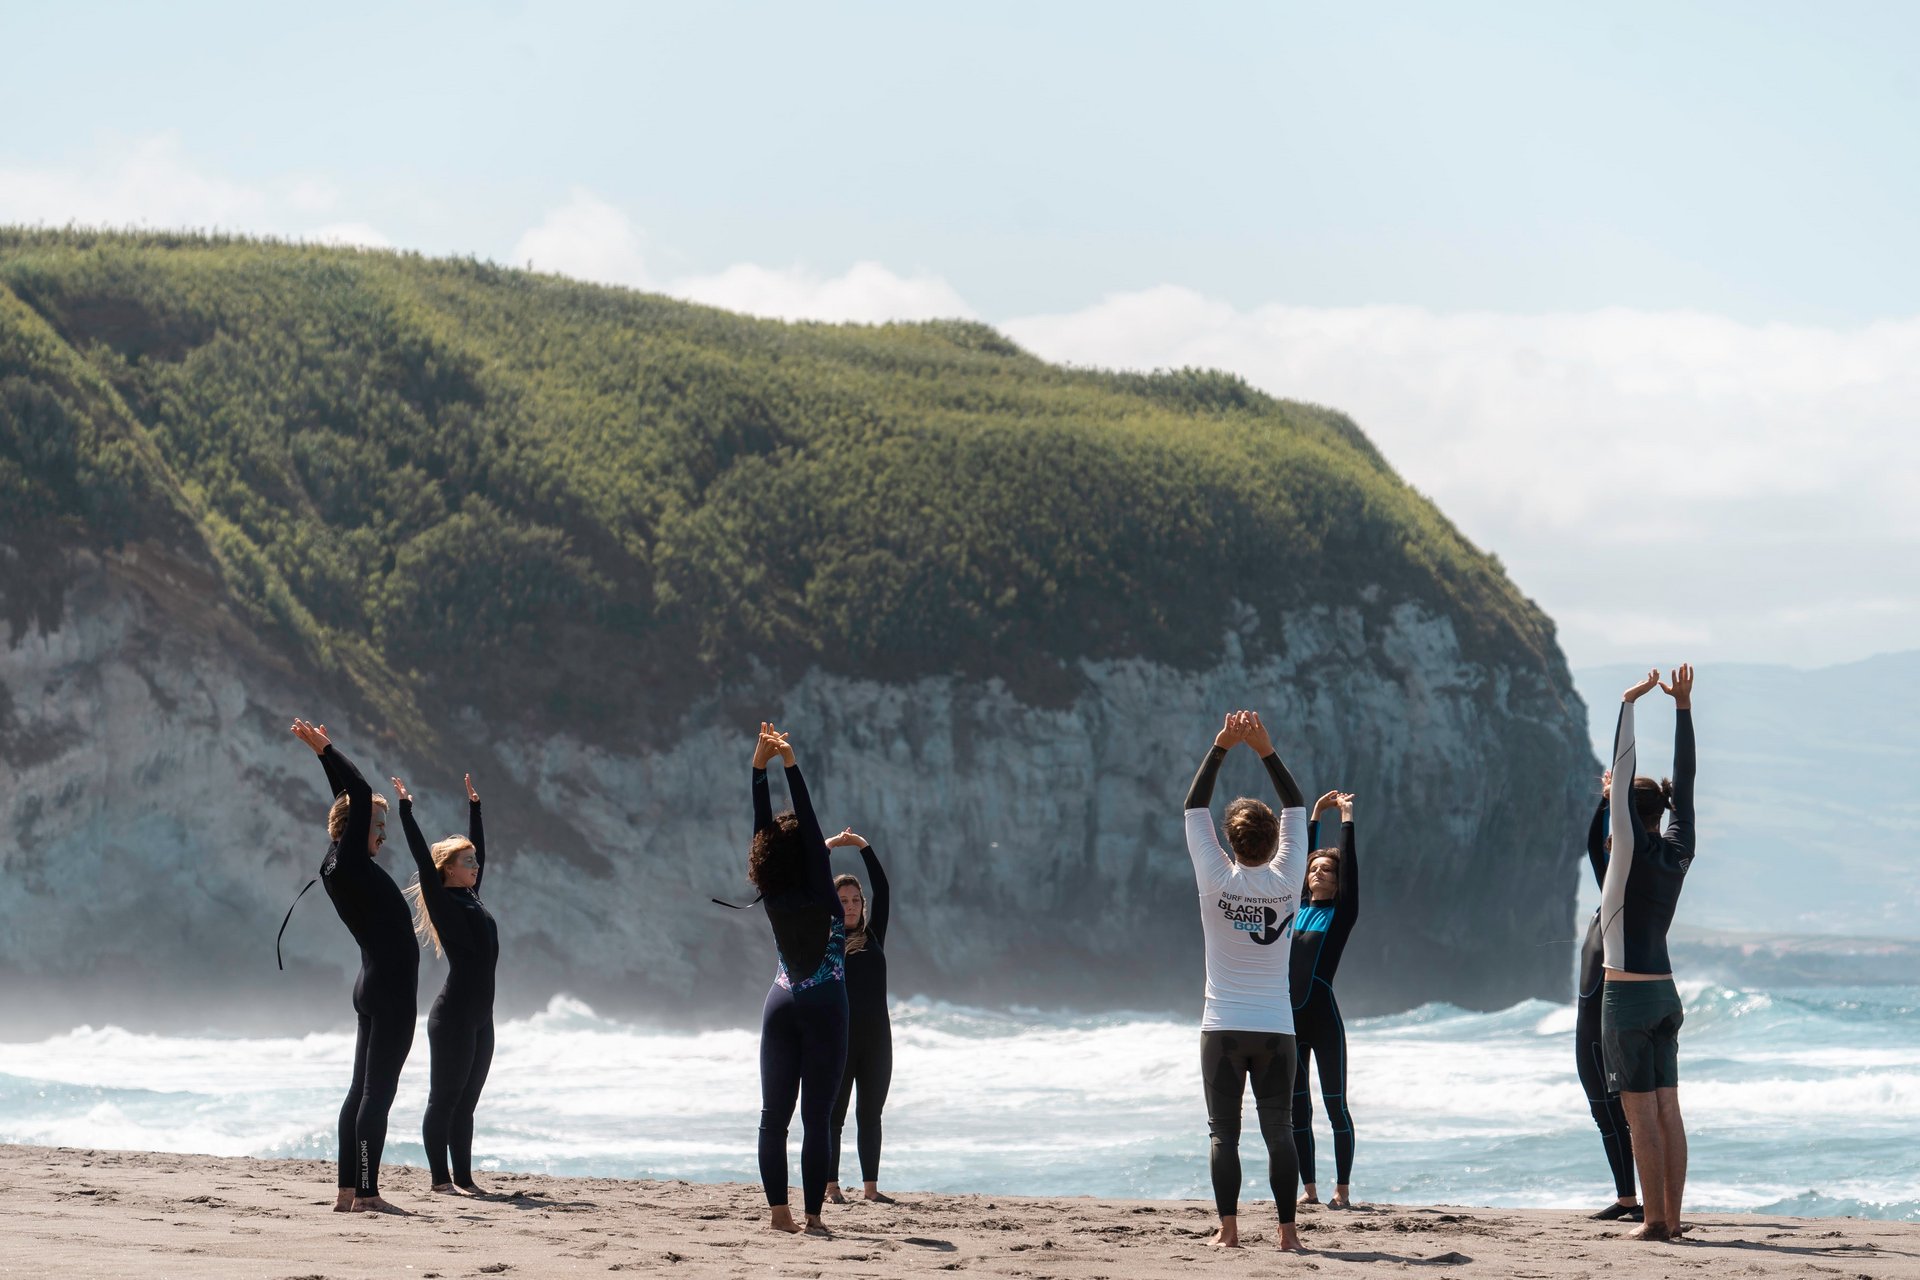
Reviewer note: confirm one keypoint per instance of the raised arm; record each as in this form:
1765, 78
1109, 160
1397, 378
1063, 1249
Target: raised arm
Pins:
433, 891
1680, 828
819, 864
476, 833
1283, 783
342, 777
1200, 794
1597, 840
879, 909
765, 748
1348, 908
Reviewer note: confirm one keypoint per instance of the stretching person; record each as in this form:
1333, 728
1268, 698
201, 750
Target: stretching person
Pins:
447, 912
803, 1028
1330, 903
869, 1030
1640, 1013
1615, 1134
369, 903
1246, 911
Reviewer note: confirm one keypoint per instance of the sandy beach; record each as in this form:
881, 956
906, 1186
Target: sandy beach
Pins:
78, 1213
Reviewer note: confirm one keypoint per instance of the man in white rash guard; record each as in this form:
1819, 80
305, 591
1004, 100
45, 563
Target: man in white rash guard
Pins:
1247, 905
1640, 1013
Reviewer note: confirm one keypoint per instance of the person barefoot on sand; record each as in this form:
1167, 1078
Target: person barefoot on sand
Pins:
370, 904
1616, 1135
1329, 907
448, 913
803, 1026
869, 1030
1640, 1011
1247, 904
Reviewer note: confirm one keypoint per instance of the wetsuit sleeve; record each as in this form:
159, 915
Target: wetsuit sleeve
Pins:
478, 834
432, 891
1283, 784
1348, 908
1597, 842
762, 803
1313, 833
353, 839
1680, 829
881, 907
1200, 794
819, 858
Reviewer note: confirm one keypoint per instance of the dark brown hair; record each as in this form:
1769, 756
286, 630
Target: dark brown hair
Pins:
1252, 830
1339, 869
1651, 799
775, 859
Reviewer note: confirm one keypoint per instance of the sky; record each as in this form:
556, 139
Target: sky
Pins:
1631, 290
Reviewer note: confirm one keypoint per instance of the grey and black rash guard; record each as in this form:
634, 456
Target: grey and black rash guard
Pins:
1592, 967
1320, 929
1638, 894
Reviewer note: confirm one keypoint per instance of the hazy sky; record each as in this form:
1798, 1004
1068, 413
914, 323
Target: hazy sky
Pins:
1631, 290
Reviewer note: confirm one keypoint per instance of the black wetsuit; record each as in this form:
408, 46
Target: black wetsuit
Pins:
803, 1027
1320, 932
1608, 1115
460, 1025
869, 1030
370, 904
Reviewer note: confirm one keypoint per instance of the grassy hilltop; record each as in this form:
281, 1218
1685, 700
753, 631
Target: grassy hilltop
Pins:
449, 482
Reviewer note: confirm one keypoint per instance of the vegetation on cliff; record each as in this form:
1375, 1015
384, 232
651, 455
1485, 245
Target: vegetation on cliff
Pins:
454, 482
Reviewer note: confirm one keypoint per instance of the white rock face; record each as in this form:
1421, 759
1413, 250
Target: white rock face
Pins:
158, 818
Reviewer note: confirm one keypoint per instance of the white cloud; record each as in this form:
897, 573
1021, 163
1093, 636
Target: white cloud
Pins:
866, 293
349, 233
1745, 484
152, 182
588, 239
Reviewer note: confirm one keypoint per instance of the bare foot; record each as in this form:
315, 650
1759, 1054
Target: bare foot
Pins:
1308, 1199
1651, 1231
1288, 1241
783, 1219
447, 1189
1340, 1202
875, 1196
1682, 1229
1224, 1238
469, 1189
343, 1201
374, 1204
834, 1194
815, 1227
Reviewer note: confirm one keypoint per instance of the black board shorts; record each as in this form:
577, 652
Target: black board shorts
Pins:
1640, 1035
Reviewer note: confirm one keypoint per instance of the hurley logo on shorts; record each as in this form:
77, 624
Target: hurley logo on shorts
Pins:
1260, 923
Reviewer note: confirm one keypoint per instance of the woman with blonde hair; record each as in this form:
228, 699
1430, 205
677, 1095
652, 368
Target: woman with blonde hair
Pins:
448, 913
369, 903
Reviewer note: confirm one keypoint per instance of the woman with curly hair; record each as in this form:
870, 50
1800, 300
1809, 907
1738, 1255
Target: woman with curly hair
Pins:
803, 1026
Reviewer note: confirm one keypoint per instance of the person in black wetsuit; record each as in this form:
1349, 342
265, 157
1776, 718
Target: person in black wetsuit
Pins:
803, 1026
1330, 904
869, 1030
1640, 1010
447, 912
1615, 1134
370, 904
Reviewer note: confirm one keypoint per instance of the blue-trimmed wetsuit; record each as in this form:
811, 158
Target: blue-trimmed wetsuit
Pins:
1320, 934
869, 1029
1608, 1115
803, 1027
372, 907
460, 1025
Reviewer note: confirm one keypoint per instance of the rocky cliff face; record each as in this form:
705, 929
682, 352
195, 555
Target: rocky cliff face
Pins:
159, 818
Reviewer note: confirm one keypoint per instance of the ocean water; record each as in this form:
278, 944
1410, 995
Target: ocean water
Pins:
1804, 1102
